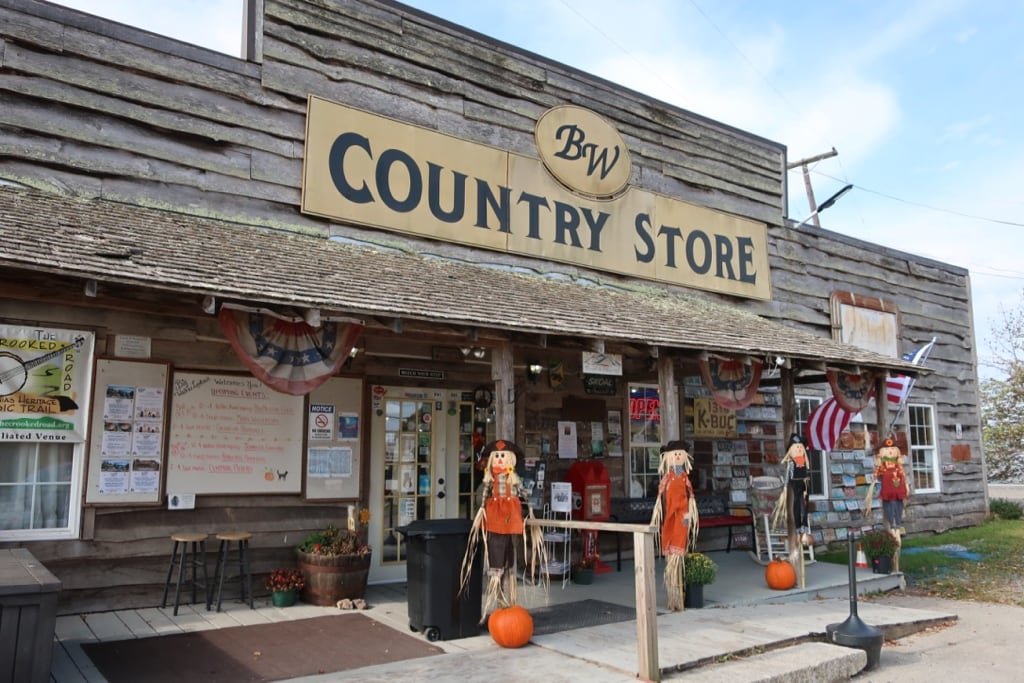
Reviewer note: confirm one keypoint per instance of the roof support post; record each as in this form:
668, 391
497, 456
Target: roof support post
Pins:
788, 386
504, 392
881, 405
669, 394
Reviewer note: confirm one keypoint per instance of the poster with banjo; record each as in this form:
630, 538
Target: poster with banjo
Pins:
45, 378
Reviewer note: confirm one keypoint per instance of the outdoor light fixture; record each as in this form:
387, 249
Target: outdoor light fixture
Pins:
475, 351
826, 204
533, 371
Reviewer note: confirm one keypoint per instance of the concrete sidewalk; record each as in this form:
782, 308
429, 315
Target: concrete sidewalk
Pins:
719, 643
746, 632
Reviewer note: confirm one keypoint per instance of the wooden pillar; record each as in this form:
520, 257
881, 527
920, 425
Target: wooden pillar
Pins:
788, 402
669, 396
882, 407
646, 613
504, 392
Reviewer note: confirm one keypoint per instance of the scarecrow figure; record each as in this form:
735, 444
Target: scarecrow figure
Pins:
792, 502
499, 524
676, 512
895, 486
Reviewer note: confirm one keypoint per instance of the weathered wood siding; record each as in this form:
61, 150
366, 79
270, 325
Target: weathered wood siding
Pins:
934, 301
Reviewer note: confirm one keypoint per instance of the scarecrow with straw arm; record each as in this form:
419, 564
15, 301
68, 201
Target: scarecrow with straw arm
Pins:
676, 512
895, 487
499, 525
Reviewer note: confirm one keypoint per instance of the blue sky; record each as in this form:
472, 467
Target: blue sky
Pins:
921, 99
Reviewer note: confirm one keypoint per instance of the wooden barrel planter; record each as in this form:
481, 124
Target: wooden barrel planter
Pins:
330, 578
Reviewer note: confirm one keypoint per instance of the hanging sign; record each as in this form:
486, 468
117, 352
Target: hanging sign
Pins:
45, 377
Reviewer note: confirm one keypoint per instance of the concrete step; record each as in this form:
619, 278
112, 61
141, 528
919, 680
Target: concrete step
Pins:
802, 663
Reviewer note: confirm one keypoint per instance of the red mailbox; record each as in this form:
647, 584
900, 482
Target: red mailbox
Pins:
592, 487
591, 493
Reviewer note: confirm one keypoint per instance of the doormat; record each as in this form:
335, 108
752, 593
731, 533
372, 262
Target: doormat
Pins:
264, 652
578, 615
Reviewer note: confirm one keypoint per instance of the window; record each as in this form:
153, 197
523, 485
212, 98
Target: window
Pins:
644, 440
816, 459
38, 490
924, 465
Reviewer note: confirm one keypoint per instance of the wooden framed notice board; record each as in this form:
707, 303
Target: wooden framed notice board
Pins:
233, 434
126, 443
335, 434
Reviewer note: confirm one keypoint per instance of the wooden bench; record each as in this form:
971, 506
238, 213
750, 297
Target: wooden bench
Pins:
714, 511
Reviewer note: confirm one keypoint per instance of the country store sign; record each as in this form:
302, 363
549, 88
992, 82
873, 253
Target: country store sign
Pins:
573, 204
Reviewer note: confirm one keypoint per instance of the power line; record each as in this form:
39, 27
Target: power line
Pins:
922, 205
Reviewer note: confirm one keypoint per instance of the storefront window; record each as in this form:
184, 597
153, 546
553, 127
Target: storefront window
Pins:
36, 487
644, 440
819, 481
923, 461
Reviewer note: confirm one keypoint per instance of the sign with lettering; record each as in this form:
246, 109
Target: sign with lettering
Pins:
45, 378
574, 207
600, 385
711, 420
232, 434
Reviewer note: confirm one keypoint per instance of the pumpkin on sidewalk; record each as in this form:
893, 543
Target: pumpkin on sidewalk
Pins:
510, 626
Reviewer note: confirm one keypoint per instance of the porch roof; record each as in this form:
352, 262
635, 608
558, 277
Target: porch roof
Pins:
163, 250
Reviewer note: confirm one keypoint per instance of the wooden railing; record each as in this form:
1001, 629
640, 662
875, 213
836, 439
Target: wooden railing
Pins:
643, 580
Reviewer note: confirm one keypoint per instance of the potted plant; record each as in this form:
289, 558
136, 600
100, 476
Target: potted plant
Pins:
879, 546
698, 571
335, 564
283, 585
583, 571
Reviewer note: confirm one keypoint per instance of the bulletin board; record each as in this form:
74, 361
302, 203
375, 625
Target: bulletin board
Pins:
233, 434
127, 429
335, 433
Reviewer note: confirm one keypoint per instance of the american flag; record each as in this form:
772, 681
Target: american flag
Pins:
826, 423
897, 388
828, 420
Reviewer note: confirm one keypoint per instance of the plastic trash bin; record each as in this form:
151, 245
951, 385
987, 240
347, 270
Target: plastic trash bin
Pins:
434, 552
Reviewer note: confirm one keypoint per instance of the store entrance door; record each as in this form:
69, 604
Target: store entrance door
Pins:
421, 467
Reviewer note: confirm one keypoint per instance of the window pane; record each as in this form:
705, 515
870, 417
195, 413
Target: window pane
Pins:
14, 507
922, 448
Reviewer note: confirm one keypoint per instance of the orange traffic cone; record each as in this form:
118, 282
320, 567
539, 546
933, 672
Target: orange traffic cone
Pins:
862, 560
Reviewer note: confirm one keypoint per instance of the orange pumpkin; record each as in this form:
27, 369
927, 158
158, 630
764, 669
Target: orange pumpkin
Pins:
510, 626
780, 575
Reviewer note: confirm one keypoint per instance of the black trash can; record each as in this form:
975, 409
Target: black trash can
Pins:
434, 552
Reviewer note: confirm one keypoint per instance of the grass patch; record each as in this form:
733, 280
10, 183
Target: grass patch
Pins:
994, 577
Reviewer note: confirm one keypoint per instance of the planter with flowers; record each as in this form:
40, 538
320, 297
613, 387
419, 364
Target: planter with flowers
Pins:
880, 546
335, 564
698, 571
284, 585
583, 571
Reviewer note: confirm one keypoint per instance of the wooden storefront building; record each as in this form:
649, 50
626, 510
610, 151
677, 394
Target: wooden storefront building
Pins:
511, 248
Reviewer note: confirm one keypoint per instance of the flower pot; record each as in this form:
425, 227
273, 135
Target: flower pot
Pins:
283, 598
881, 565
583, 576
694, 595
330, 578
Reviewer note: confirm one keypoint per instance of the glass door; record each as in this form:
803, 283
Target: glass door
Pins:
410, 433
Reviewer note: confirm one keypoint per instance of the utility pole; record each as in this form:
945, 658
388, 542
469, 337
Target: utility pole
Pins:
807, 180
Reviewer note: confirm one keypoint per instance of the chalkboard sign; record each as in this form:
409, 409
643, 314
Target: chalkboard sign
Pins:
233, 434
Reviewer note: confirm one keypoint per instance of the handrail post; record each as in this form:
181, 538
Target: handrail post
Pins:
646, 612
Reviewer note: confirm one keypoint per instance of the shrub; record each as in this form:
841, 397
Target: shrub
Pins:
1005, 509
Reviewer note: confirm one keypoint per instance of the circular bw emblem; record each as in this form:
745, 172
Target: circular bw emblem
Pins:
583, 151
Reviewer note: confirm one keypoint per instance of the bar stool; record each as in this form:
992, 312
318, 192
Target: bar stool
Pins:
226, 538
192, 554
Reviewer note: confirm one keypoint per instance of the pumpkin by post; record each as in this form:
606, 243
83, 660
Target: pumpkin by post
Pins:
510, 626
780, 575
